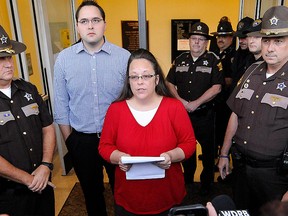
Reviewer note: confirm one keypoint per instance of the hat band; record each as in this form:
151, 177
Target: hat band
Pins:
8, 50
274, 31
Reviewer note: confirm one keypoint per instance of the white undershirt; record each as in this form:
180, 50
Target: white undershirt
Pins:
268, 75
7, 91
143, 117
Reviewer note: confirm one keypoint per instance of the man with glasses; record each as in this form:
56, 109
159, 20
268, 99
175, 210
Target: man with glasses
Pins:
88, 76
195, 79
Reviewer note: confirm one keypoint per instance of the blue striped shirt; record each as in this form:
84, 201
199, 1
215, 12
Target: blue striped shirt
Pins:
85, 85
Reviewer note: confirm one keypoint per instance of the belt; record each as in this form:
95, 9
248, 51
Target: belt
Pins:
98, 134
261, 163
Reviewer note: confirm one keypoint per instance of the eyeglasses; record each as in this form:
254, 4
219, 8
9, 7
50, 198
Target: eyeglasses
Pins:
144, 77
93, 21
198, 39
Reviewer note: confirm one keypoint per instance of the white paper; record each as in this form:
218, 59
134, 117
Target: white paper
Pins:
139, 159
143, 168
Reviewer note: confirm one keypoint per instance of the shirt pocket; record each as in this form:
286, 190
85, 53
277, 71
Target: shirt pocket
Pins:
5, 117
275, 100
31, 109
277, 108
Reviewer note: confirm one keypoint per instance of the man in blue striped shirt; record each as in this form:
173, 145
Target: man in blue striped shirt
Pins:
88, 76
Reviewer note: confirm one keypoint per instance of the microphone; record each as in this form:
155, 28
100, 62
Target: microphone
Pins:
225, 206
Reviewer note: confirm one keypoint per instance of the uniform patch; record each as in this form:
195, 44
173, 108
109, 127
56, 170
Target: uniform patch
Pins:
5, 117
275, 100
245, 94
31, 109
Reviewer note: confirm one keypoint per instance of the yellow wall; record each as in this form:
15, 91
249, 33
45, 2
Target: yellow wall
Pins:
27, 28
27, 34
159, 14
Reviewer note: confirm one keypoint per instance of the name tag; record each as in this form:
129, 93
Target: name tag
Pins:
5, 117
203, 69
182, 69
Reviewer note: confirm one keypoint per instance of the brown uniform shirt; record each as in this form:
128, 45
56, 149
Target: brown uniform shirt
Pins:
261, 106
22, 118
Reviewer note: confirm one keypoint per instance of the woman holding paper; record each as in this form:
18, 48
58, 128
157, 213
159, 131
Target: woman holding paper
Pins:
147, 121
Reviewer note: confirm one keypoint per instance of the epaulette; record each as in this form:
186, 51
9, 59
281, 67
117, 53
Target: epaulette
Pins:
210, 52
184, 54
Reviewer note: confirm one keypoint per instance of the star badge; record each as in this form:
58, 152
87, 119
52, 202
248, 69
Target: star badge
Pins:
28, 96
274, 21
199, 27
3, 39
205, 62
281, 86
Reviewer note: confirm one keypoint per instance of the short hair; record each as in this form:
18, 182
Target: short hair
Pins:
89, 3
161, 88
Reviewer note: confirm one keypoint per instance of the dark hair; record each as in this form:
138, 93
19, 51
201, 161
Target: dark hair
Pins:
89, 3
161, 88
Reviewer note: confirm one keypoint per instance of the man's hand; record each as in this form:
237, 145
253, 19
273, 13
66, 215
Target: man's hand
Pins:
41, 179
223, 166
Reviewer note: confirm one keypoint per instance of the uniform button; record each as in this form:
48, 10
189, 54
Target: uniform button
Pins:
188, 91
248, 127
257, 96
18, 117
252, 112
11, 101
264, 83
248, 81
34, 165
1, 121
273, 102
31, 149
245, 142
191, 72
24, 133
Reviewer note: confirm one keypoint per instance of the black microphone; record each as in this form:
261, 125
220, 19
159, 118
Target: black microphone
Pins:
225, 206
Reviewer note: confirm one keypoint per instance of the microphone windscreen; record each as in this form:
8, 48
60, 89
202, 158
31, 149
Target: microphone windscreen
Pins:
223, 202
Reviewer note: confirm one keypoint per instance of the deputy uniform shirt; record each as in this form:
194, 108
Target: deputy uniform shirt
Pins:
261, 106
194, 78
22, 118
227, 57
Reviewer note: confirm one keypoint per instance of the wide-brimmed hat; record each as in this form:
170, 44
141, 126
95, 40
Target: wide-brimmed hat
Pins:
242, 26
254, 29
9, 47
200, 28
224, 27
274, 22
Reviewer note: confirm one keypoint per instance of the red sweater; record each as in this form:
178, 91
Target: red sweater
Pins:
169, 128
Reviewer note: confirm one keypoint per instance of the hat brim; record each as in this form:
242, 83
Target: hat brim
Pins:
209, 37
222, 33
259, 34
17, 47
240, 34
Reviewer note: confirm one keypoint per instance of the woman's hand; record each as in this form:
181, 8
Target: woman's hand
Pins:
166, 163
124, 167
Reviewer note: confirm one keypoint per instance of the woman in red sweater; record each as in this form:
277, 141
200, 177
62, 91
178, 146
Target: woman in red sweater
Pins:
147, 121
